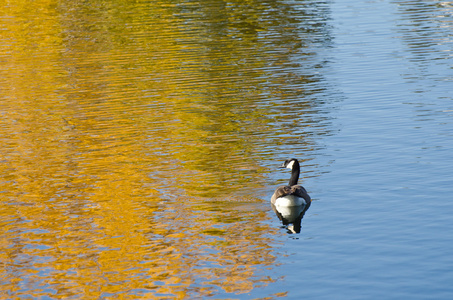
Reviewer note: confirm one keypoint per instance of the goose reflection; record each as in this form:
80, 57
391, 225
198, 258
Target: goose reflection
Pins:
291, 216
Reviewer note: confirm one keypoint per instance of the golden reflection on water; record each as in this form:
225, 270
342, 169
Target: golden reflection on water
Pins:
131, 136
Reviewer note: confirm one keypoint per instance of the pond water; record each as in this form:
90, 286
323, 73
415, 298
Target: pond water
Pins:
141, 140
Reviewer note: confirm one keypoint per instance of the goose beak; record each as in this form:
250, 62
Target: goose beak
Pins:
282, 166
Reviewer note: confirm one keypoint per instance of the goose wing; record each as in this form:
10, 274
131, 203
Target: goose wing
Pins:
296, 190
300, 191
281, 191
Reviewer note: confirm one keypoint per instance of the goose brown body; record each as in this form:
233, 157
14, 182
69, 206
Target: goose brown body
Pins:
290, 192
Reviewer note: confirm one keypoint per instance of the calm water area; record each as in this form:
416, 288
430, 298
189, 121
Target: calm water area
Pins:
140, 143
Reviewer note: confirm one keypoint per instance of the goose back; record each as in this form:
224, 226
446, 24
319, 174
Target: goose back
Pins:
286, 195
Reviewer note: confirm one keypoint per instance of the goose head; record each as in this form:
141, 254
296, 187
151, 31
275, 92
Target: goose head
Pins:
289, 163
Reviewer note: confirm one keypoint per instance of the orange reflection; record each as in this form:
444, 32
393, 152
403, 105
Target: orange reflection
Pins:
120, 127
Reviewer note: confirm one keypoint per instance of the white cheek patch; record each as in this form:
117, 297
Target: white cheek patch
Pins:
290, 165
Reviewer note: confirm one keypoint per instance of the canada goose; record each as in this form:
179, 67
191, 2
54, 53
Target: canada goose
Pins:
292, 194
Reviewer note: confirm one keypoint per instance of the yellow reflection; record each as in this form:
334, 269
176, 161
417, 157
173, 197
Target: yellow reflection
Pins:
119, 128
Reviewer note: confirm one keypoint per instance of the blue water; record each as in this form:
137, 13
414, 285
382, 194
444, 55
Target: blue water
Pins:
380, 226
142, 139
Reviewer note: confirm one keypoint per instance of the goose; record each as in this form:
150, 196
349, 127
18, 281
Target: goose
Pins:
292, 194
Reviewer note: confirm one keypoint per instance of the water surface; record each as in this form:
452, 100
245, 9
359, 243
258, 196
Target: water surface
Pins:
141, 140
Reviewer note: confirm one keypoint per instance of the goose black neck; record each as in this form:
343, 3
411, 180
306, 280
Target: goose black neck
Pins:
294, 173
